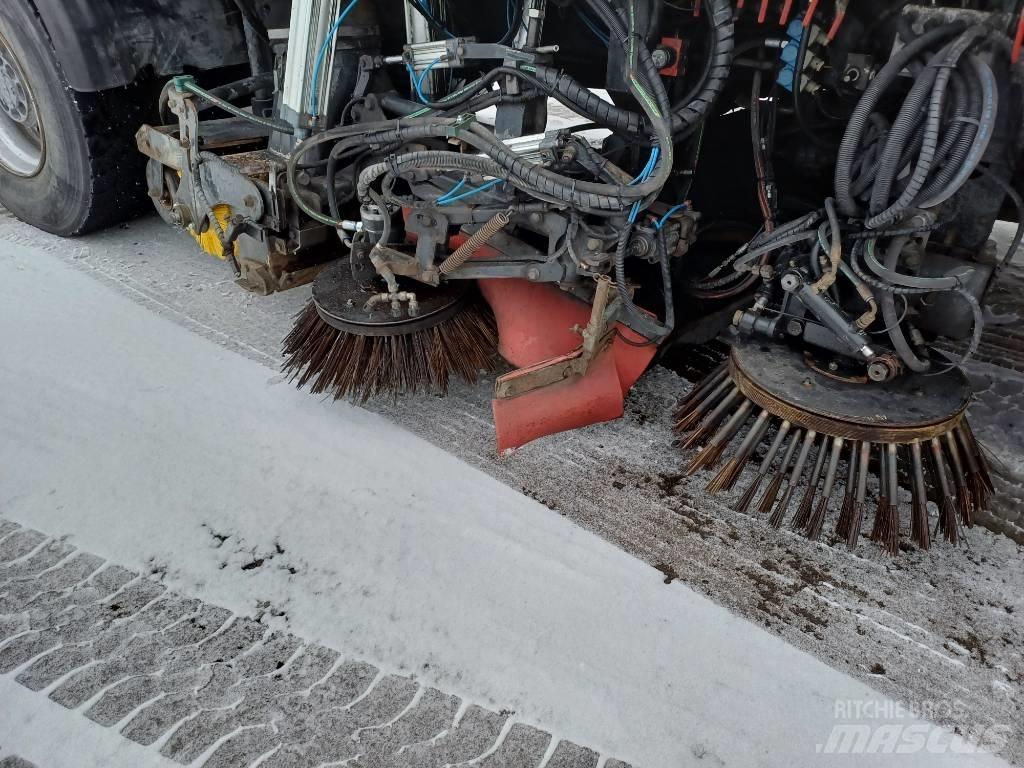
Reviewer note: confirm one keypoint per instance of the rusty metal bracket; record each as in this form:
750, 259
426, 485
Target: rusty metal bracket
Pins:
597, 335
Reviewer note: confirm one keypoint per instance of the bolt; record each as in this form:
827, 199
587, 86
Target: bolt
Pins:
249, 201
878, 372
833, 366
593, 244
533, 273
661, 57
794, 328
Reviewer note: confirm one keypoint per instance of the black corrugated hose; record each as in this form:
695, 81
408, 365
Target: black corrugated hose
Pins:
688, 113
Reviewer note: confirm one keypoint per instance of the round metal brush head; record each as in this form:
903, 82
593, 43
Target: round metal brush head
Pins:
341, 346
815, 441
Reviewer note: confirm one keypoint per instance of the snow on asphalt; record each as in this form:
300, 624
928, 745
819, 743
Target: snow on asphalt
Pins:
161, 451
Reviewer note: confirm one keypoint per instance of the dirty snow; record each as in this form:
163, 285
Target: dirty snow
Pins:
148, 445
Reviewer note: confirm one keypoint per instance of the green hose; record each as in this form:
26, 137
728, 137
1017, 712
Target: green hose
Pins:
186, 83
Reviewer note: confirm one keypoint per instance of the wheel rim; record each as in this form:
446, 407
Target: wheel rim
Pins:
22, 145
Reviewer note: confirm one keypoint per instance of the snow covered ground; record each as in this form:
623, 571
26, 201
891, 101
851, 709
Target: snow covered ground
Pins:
157, 450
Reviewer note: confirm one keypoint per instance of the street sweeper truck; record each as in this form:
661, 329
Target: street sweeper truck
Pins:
557, 192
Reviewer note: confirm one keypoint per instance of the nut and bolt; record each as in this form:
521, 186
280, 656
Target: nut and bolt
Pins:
662, 57
878, 371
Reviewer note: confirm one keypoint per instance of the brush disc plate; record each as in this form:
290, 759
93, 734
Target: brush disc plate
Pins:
340, 298
912, 406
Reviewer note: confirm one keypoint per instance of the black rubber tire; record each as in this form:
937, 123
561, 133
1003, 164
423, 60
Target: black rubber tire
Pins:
92, 174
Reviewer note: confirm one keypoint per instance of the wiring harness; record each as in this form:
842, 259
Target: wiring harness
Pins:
892, 177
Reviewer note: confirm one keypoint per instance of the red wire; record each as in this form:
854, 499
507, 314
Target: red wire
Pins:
1018, 41
739, 4
763, 13
785, 12
840, 15
810, 13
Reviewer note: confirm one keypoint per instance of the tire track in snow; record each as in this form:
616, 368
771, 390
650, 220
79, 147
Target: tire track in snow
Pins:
202, 687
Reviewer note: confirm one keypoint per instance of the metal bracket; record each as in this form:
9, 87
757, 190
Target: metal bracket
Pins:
596, 338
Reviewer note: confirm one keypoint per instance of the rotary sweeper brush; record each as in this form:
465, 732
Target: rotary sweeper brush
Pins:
813, 182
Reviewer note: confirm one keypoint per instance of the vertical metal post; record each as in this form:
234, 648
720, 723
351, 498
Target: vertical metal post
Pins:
515, 120
418, 31
310, 22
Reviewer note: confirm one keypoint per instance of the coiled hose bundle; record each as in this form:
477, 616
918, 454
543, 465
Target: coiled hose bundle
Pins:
888, 172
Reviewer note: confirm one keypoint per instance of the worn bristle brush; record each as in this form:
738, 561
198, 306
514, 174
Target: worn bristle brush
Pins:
886, 529
766, 464
845, 521
791, 479
823, 438
353, 340
817, 519
803, 512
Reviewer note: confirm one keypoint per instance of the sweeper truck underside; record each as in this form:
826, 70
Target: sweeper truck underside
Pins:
556, 194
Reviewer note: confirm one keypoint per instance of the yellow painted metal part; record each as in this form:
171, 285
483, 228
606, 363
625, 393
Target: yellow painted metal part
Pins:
208, 240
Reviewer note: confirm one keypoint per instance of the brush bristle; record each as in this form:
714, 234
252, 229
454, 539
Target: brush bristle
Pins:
919, 532
803, 512
979, 491
817, 520
880, 513
345, 364
748, 495
947, 520
886, 530
845, 515
771, 493
856, 521
699, 434
687, 420
726, 477
707, 458
964, 503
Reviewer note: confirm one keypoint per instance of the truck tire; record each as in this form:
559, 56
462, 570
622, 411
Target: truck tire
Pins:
68, 162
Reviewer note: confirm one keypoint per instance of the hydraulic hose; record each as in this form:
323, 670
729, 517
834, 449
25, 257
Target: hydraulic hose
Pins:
943, 64
986, 128
914, 283
891, 319
910, 111
835, 250
687, 113
227, 106
851, 143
